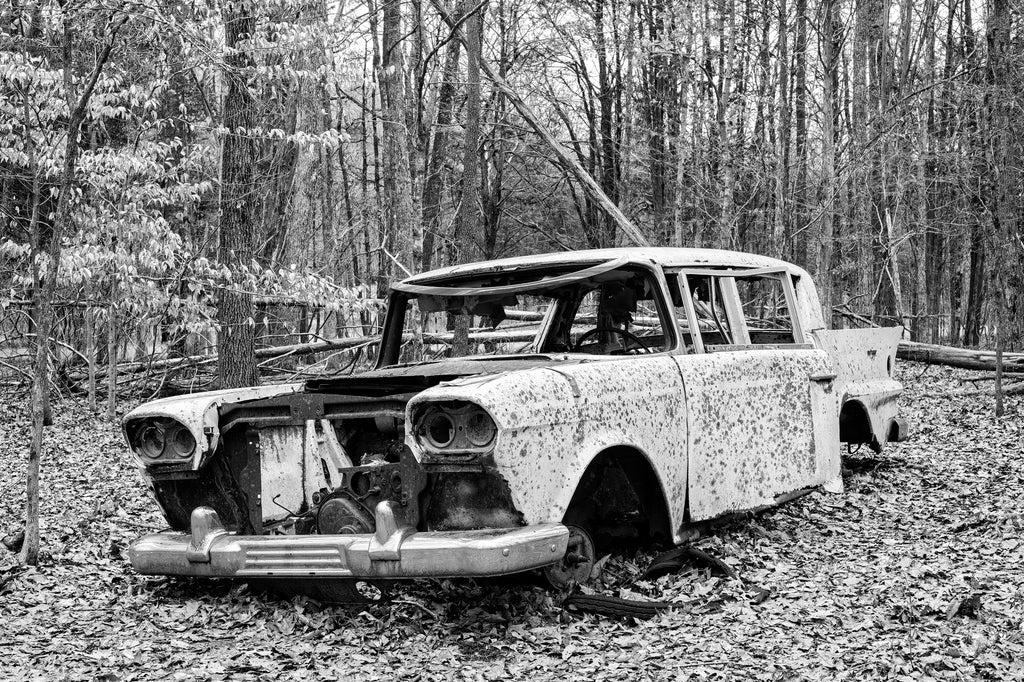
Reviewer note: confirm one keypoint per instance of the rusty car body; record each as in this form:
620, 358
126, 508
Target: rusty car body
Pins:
519, 409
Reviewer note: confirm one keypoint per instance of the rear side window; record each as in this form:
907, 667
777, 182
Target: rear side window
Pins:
765, 310
709, 308
737, 310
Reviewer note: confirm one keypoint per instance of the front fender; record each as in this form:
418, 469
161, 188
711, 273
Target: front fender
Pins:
552, 423
199, 412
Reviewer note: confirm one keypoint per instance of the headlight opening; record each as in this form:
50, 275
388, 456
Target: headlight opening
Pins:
152, 441
480, 428
439, 429
157, 439
456, 427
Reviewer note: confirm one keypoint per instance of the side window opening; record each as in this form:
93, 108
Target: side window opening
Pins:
709, 306
616, 316
766, 310
736, 310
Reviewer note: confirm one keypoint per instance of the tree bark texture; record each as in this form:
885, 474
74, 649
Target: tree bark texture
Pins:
468, 219
433, 184
399, 240
239, 218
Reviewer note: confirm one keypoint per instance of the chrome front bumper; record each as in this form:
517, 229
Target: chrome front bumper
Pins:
395, 550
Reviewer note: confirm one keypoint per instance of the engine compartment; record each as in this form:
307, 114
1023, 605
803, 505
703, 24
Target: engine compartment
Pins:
319, 463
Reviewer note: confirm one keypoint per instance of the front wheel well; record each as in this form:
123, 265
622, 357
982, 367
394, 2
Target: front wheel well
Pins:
620, 499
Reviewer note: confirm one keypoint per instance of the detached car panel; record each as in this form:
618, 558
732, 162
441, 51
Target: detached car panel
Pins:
519, 410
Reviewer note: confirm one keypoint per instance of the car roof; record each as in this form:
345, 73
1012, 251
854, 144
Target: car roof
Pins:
665, 256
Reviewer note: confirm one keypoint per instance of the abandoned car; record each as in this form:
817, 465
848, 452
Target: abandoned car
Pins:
519, 410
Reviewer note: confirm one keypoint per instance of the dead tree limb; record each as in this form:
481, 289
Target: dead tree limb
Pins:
590, 185
1008, 389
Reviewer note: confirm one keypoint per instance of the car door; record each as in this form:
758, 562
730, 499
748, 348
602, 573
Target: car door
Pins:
759, 395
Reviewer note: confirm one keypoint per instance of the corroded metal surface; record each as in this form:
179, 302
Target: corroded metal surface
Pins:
290, 470
752, 430
735, 429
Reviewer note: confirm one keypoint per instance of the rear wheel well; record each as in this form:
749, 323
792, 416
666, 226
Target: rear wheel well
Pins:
619, 500
855, 424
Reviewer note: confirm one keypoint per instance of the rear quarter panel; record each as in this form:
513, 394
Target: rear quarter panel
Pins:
864, 360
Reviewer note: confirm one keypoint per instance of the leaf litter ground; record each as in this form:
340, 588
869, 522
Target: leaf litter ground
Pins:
913, 573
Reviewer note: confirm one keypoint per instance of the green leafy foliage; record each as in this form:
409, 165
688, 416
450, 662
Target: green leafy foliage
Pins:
142, 245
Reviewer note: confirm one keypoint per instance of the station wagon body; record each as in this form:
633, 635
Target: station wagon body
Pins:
519, 409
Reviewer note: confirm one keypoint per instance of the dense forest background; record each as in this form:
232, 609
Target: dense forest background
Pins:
210, 193
230, 174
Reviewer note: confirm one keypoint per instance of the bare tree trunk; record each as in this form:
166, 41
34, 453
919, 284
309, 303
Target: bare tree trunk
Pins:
1003, 201
467, 221
682, 210
401, 233
606, 99
236, 342
859, 162
1000, 407
468, 217
975, 256
722, 154
782, 200
800, 213
41, 383
658, 93
930, 279
434, 182
493, 162
830, 54
112, 354
90, 350
941, 260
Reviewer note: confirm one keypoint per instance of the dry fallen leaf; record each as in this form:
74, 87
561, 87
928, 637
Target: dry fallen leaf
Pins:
860, 583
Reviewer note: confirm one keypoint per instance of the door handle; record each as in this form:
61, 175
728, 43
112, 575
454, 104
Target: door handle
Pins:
823, 378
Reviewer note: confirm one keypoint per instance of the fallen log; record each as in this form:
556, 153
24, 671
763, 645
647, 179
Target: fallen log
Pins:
295, 349
964, 358
951, 356
974, 380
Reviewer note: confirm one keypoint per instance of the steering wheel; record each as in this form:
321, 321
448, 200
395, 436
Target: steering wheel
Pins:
629, 336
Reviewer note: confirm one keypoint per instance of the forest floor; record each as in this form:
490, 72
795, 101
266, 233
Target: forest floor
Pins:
915, 572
